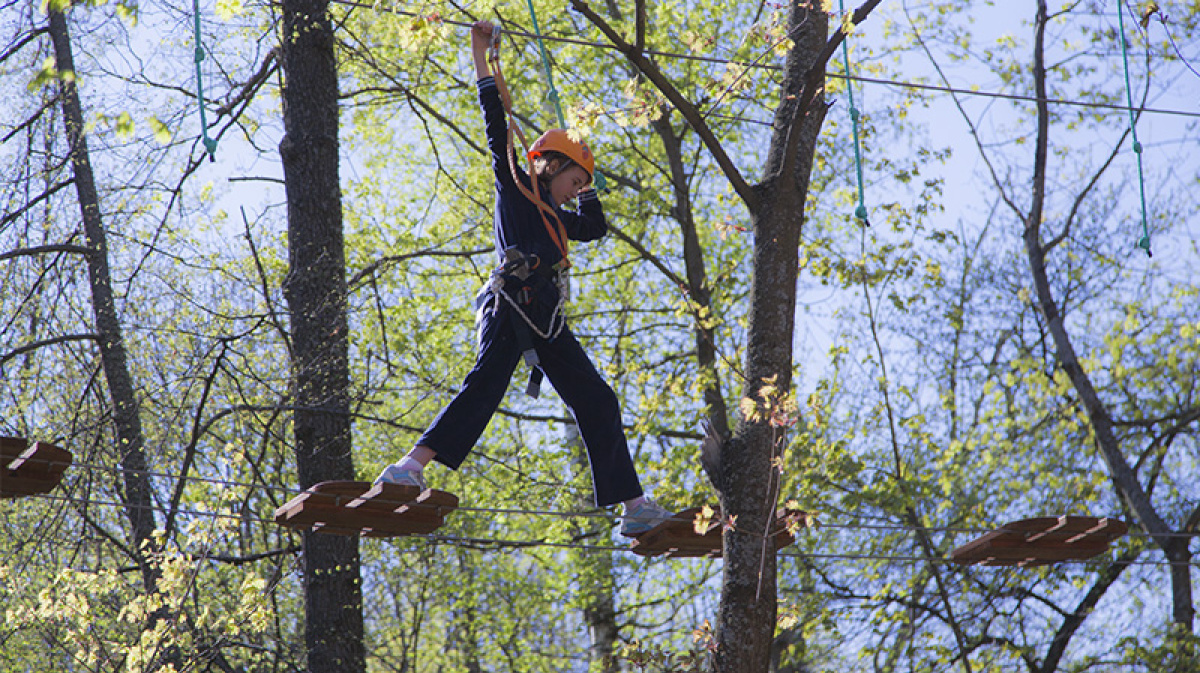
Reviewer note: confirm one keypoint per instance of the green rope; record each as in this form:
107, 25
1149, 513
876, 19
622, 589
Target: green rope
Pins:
553, 94
210, 145
598, 179
861, 211
1144, 242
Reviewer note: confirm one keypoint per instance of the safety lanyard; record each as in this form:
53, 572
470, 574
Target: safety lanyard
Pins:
557, 232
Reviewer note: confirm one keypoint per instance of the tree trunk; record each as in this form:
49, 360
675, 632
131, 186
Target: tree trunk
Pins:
316, 295
139, 507
594, 576
745, 473
1125, 479
746, 619
699, 292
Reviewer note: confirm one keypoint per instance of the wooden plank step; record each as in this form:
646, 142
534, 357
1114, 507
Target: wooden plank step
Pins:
678, 537
30, 468
1041, 541
361, 508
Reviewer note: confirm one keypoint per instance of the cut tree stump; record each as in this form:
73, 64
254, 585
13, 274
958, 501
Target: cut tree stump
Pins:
1041, 541
678, 537
360, 508
30, 468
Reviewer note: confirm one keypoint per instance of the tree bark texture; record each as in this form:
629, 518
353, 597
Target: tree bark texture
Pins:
136, 498
747, 615
316, 293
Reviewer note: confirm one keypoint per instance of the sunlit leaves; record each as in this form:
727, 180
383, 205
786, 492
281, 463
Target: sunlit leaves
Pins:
227, 10
643, 104
162, 132
48, 73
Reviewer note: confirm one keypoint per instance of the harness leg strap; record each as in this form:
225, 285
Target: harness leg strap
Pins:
534, 388
525, 343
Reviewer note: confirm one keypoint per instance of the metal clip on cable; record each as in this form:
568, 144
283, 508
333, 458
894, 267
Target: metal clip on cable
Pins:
495, 48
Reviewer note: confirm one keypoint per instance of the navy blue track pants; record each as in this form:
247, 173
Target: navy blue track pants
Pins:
592, 402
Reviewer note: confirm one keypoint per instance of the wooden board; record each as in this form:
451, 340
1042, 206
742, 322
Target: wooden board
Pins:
30, 468
678, 538
360, 508
1041, 541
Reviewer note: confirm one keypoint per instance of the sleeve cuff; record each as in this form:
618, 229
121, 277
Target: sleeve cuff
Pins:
586, 195
486, 83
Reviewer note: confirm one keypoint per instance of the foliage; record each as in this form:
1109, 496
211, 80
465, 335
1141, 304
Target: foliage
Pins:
929, 403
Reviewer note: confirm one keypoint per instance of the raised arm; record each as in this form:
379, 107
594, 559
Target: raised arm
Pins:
481, 39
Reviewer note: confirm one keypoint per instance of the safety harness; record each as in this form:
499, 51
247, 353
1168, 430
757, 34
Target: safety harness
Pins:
522, 267
519, 265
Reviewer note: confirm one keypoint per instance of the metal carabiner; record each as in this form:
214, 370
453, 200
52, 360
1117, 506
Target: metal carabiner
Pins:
494, 52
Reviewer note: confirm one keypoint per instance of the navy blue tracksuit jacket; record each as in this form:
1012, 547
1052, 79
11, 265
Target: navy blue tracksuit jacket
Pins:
591, 401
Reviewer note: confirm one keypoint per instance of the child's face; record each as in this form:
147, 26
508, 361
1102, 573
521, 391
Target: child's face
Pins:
567, 184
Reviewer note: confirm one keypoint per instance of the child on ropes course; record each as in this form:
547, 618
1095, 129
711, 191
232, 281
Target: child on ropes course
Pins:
519, 312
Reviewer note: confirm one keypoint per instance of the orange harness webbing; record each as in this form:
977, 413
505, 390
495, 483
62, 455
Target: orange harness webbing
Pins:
558, 233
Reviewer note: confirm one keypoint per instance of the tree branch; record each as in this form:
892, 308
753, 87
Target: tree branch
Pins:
9, 217
43, 249
814, 83
19, 351
1071, 624
695, 119
189, 453
647, 256
267, 68
30, 37
1125, 479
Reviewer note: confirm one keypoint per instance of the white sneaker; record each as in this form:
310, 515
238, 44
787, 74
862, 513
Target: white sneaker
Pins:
393, 474
643, 517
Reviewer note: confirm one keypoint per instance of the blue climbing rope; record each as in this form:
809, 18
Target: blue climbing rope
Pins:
210, 145
861, 211
1144, 242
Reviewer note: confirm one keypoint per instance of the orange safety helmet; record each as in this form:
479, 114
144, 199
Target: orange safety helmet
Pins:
558, 140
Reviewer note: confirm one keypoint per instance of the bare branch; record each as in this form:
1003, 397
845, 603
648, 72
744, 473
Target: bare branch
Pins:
648, 256
42, 250
30, 37
694, 117
30, 347
9, 217
373, 268
267, 68
47, 103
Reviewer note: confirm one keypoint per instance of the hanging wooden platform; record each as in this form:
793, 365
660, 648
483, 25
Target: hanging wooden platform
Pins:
30, 468
678, 538
360, 508
1041, 541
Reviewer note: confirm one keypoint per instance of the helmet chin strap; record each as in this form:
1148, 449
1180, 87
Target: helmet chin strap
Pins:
564, 164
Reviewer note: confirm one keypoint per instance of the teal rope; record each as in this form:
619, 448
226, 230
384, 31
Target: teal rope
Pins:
553, 95
861, 211
598, 179
1144, 242
210, 145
